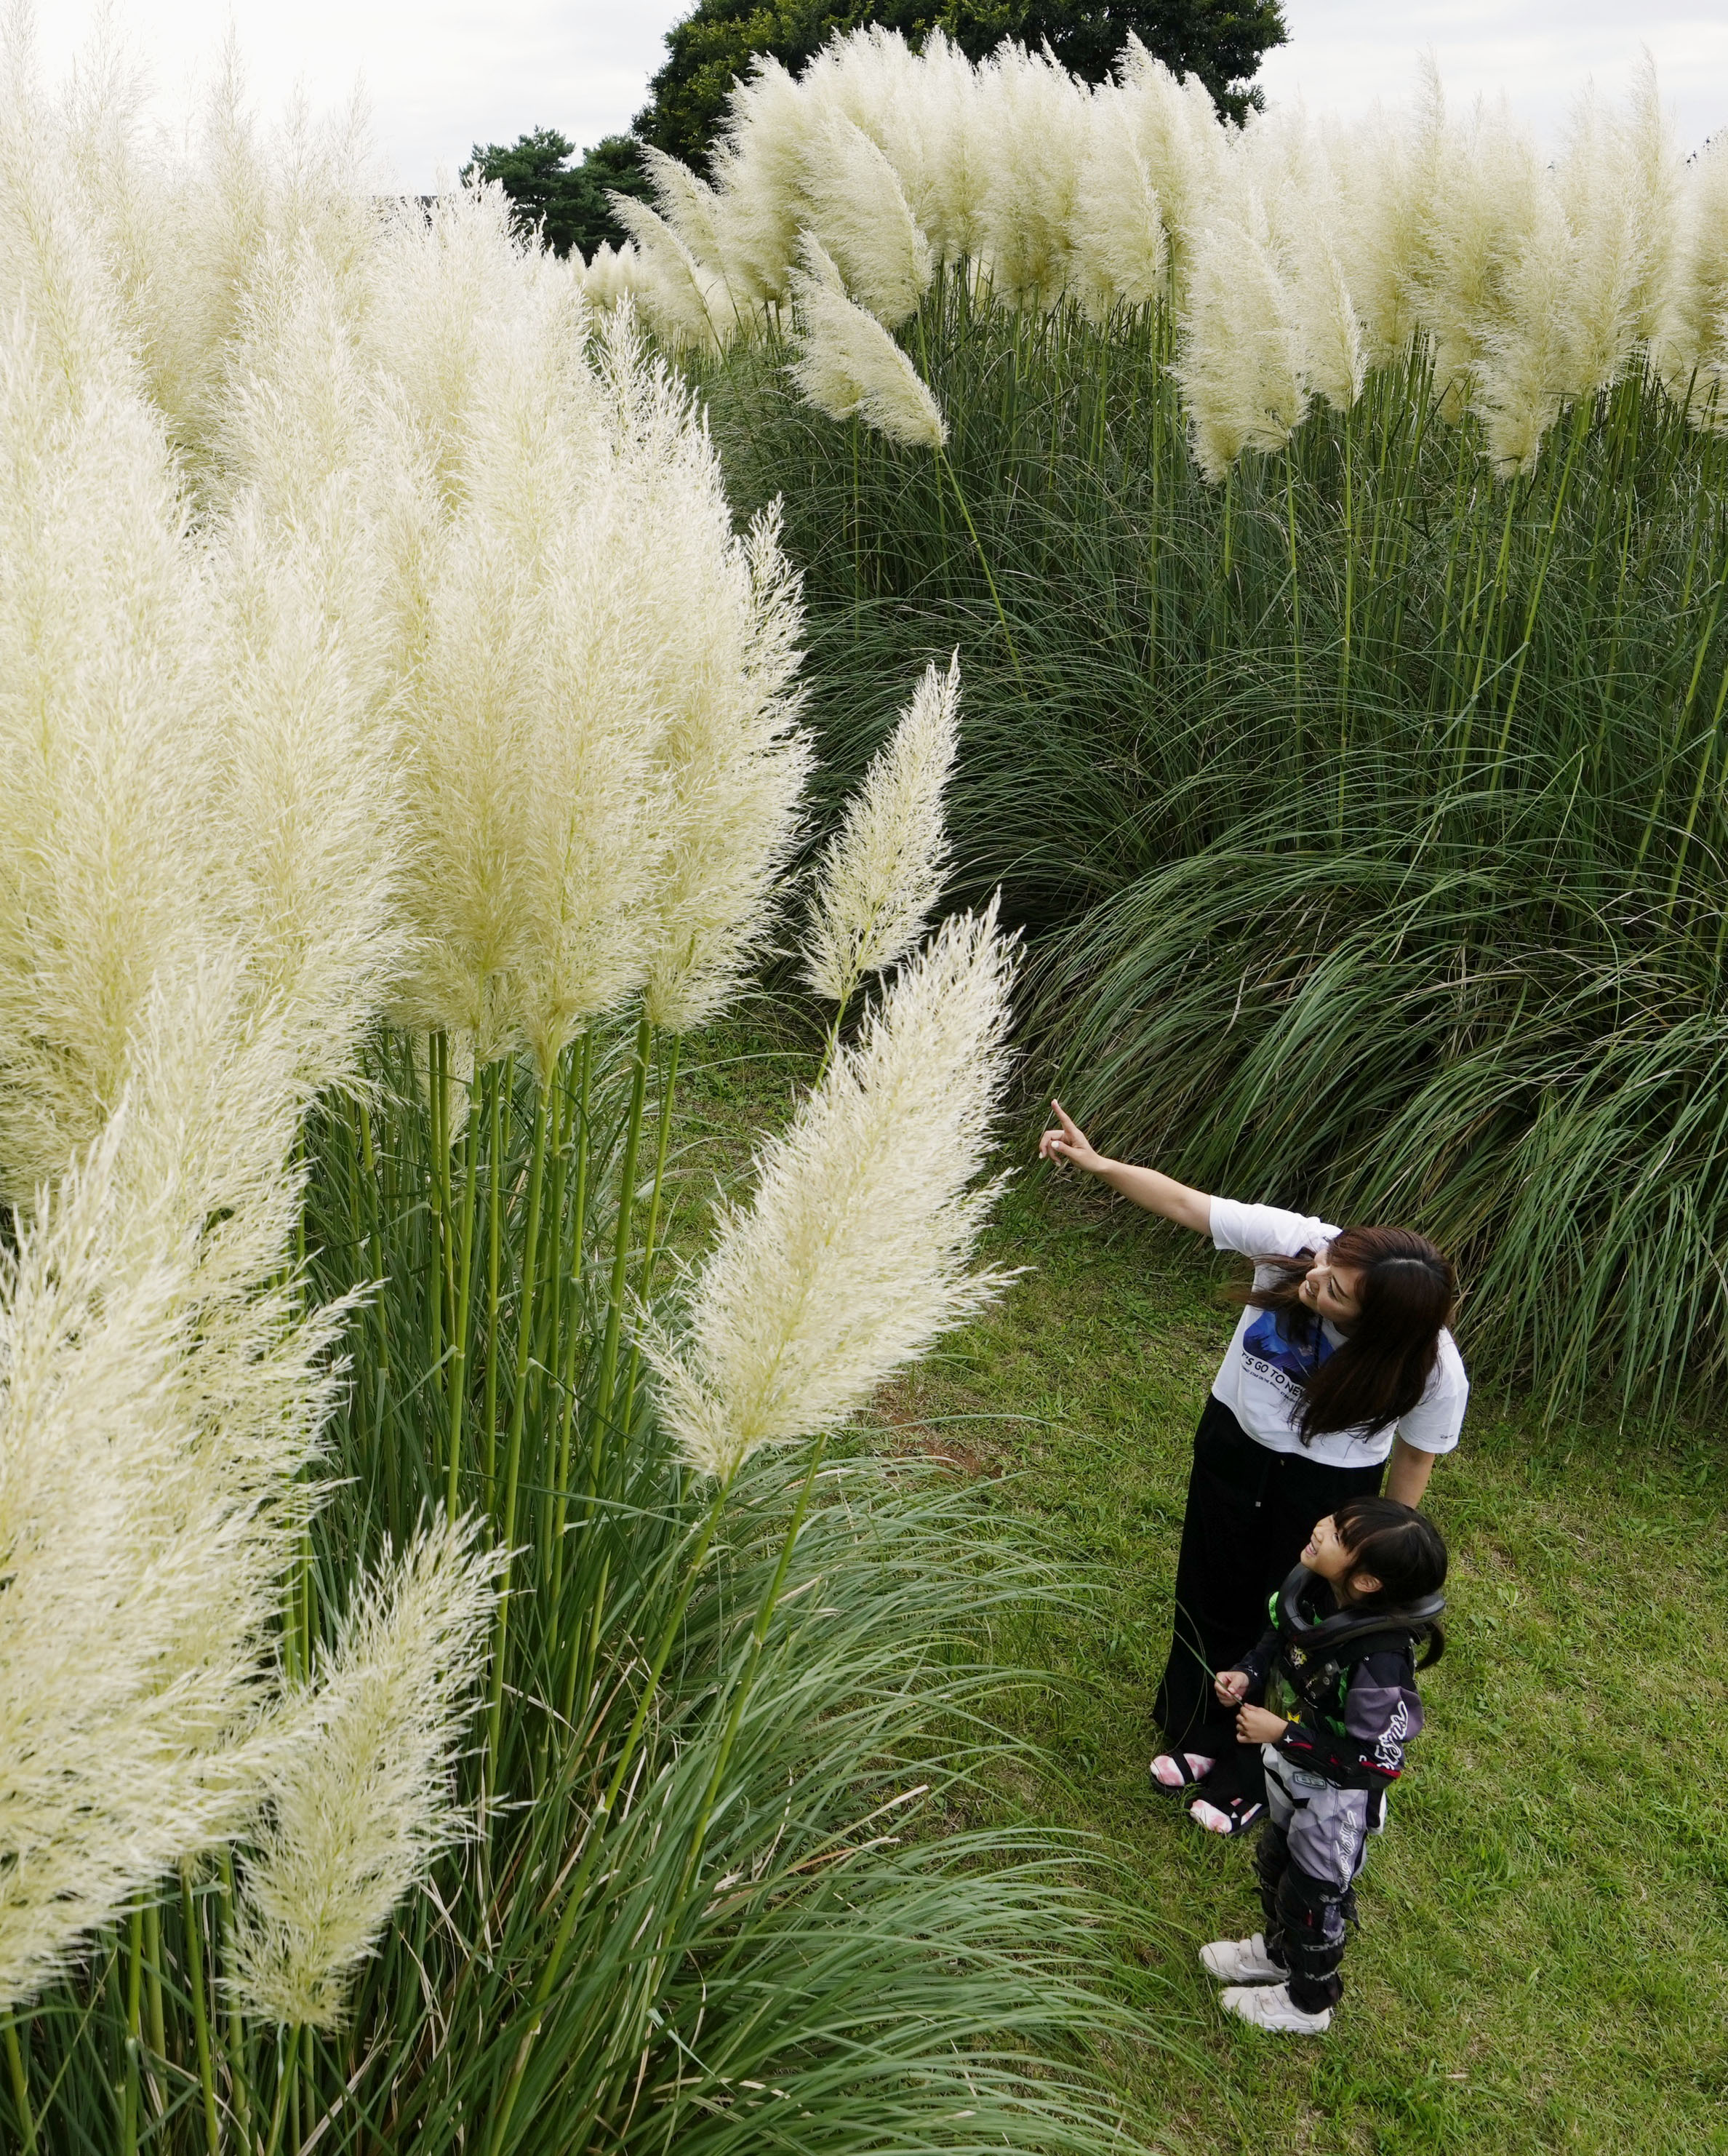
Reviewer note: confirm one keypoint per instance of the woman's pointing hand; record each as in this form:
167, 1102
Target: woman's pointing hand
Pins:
1068, 1142
1145, 1186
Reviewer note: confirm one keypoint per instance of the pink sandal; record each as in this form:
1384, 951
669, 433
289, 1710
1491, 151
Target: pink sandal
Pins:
1173, 1772
1236, 1817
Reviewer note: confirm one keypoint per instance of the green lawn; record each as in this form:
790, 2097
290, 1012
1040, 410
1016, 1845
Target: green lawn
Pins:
1543, 1956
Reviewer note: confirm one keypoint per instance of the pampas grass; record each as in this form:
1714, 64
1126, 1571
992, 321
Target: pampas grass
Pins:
858, 212
1534, 282
105, 731
380, 639
159, 1402
359, 1811
854, 1254
881, 874
1241, 363
848, 364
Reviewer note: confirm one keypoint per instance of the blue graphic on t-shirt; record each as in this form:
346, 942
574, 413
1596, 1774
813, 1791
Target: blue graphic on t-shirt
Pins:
1296, 1351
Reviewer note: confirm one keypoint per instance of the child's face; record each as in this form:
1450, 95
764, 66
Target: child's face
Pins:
1327, 1554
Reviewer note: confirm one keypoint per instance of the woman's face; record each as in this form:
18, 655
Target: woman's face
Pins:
1334, 1291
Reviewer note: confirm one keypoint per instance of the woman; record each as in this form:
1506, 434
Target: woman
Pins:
1341, 1359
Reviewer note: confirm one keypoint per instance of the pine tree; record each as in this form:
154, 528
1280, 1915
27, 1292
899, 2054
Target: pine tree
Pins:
566, 201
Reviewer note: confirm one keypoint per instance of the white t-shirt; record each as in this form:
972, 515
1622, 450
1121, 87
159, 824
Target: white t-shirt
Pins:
1261, 1379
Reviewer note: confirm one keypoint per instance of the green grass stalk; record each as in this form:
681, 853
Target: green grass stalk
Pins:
134, 1997
952, 478
650, 1243
621, 1247
464, 1247
497, 1081
526, 1320
20, 2079
552, 1968
192, 1926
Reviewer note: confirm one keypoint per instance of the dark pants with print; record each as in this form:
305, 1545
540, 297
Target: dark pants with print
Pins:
1250, 1511
1310, 1852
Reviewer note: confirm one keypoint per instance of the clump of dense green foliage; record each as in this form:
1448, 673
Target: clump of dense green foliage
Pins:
569, 205
1368, 810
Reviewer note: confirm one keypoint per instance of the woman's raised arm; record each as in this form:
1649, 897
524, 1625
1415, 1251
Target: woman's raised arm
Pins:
1158, 1193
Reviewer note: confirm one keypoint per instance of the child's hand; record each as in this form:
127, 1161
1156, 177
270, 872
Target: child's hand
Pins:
1231, 1687
1254, 1726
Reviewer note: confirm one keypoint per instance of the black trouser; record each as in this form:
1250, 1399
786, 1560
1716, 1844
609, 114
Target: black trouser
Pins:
1250, 1511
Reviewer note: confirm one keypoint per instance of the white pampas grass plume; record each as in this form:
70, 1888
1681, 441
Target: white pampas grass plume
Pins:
683, 299
1695, 339
1579, 296
1523, 370
1333, 355
881, 874
1181, 141
1385, 172
302, 794
847, 363
1652, 177
157, 1400
1036, 126
529, 727
856, 209
1117, 241
102, 741
185, 234
854, 1254
1293, 202
437, 283
916, 108
362, 1807
687, 204
734, 758
1241, 352
520, 536
1490, 198
612, 276
934, 126
304, 799
601, 764
758, 163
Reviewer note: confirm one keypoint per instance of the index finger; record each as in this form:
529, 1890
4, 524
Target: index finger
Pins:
1071, 1129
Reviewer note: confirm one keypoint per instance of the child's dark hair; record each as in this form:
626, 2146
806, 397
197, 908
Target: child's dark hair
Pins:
1403, 1550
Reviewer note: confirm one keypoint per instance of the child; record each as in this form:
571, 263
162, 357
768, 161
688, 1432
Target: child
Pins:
1337, 1670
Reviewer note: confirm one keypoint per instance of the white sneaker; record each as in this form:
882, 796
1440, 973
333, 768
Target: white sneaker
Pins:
1241, 1961
1268, 2006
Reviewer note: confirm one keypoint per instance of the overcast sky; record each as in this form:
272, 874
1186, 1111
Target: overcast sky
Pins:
442, 75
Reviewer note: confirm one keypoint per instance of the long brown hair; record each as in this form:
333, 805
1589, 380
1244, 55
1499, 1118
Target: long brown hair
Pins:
1407, 1291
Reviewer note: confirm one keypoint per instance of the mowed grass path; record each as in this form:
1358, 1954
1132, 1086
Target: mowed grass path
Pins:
1543, 1956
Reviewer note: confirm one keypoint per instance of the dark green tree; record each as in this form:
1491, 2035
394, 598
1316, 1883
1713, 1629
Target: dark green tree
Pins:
566, 201
1222, 41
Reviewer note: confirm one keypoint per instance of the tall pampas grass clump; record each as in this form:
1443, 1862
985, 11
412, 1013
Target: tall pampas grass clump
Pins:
1531, 283
384, 1764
